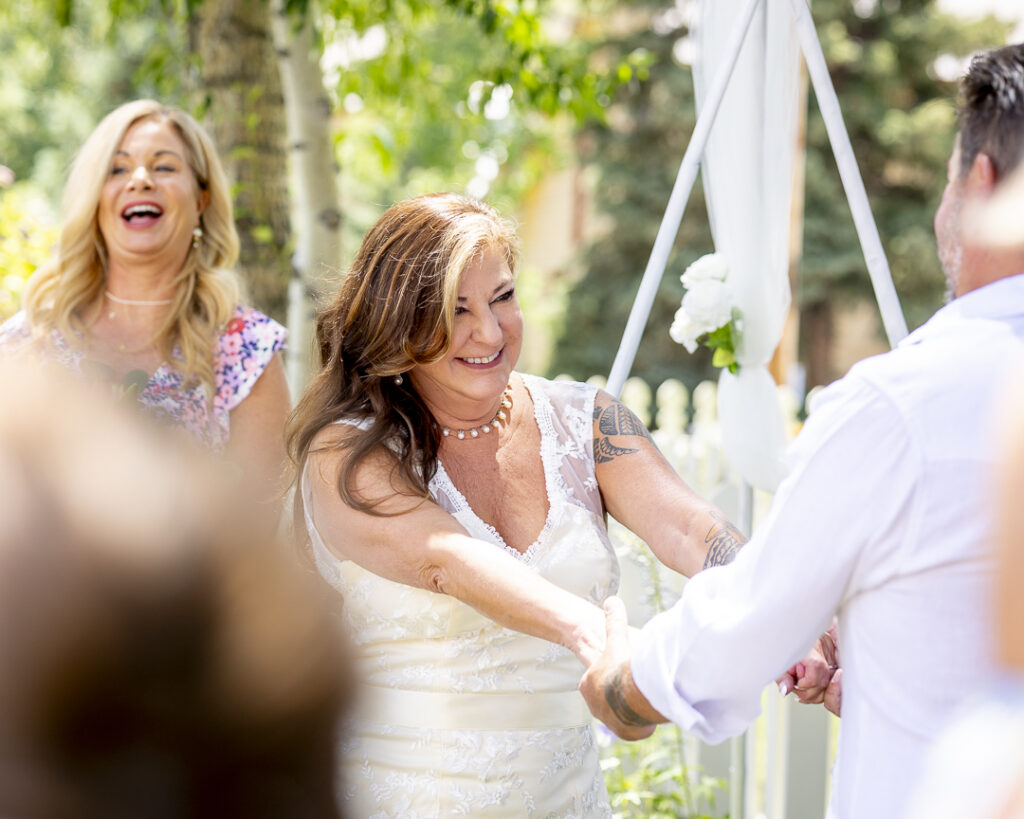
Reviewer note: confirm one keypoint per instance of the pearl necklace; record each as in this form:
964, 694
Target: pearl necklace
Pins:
134, 302
474, 432
137, 302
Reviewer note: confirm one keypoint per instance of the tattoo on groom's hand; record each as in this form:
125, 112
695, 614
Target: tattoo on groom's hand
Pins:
615, 696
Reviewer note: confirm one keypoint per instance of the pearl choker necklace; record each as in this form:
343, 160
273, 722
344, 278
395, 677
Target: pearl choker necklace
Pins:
474, 432
137, 302
133, 303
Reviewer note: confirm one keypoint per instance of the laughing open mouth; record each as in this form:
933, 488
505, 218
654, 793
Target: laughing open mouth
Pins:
141, 212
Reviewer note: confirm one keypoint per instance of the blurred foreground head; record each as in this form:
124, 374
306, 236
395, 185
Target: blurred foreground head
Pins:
1000, 221
160, 658
1010, 531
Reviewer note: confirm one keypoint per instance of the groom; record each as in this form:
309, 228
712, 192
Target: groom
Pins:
883, 520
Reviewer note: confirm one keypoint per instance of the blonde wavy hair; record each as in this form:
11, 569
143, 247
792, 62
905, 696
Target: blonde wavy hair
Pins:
207, 290
395, 309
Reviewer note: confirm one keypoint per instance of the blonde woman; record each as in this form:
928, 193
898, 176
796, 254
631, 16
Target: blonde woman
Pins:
140, 291
459, 507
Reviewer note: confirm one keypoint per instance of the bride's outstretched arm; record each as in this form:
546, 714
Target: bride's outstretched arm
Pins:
645, 494
417, 543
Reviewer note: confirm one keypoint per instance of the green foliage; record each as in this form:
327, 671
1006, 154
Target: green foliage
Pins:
59, 80
634, 155
900, 116
901, 121
651, 780
552, 75
428, 94
27, 236
479, 94
458, 95
721, 341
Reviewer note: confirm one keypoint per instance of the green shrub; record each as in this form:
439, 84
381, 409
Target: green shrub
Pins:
28, 234
651, 779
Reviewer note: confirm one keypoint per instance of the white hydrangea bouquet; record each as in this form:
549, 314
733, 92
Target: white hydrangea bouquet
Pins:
707, 314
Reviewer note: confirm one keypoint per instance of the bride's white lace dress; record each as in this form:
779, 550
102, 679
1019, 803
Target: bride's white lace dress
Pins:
459, 716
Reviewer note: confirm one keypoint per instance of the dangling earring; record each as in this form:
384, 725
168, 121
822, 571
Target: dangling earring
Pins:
197, 234
399, 380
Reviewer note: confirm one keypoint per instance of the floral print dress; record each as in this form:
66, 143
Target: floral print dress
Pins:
246, 346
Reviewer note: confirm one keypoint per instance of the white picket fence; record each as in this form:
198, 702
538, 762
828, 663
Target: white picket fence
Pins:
779, 768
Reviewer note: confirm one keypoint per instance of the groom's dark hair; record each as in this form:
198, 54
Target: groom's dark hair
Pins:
992, 110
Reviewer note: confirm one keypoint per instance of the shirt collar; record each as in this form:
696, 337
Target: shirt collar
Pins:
999, 299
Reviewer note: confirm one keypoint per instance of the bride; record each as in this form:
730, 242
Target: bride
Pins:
459, 508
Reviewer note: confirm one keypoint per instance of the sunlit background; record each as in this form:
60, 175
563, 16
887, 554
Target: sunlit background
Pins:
570, 116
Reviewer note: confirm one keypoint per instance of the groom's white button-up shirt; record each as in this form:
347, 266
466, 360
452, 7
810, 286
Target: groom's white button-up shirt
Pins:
885, 519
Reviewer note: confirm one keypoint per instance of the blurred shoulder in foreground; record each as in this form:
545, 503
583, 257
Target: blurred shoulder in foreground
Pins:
163, 656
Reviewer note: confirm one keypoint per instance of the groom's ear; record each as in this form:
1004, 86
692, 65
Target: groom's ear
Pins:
982, 177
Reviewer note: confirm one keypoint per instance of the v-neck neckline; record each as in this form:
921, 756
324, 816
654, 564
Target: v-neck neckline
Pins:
540, 405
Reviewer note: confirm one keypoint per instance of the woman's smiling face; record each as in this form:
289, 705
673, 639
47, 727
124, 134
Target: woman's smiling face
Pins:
151, 200
487, 336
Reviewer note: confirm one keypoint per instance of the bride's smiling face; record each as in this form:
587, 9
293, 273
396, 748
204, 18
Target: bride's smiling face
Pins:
487, 337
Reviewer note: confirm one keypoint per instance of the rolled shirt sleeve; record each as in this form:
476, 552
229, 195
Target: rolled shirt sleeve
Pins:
848, 494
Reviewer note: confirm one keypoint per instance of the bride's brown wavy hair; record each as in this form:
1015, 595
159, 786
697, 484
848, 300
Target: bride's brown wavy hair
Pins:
394, 310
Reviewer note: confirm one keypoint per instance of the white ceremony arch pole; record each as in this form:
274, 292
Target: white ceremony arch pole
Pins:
681, 190
867, 231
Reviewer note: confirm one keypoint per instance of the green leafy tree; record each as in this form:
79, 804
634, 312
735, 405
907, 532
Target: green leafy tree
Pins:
462, 94
635, 154
900, 115
61, 75
427, 98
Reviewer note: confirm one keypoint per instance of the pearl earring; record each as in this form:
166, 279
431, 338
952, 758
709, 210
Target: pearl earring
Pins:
399, 380
197, 234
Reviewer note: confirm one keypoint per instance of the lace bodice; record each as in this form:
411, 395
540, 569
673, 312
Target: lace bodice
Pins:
462, 716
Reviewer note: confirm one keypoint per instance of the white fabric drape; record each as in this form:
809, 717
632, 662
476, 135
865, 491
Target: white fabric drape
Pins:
748, 178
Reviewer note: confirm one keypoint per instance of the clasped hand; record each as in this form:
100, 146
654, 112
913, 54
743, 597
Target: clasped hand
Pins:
818, 677
608, 685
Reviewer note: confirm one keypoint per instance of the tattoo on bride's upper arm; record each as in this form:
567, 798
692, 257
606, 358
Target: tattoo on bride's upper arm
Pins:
614, 420
724, 541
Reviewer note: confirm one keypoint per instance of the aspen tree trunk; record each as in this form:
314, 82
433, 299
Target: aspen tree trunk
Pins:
245, 113
313, 182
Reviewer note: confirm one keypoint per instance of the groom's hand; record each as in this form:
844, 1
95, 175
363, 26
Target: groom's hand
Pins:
608, 685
